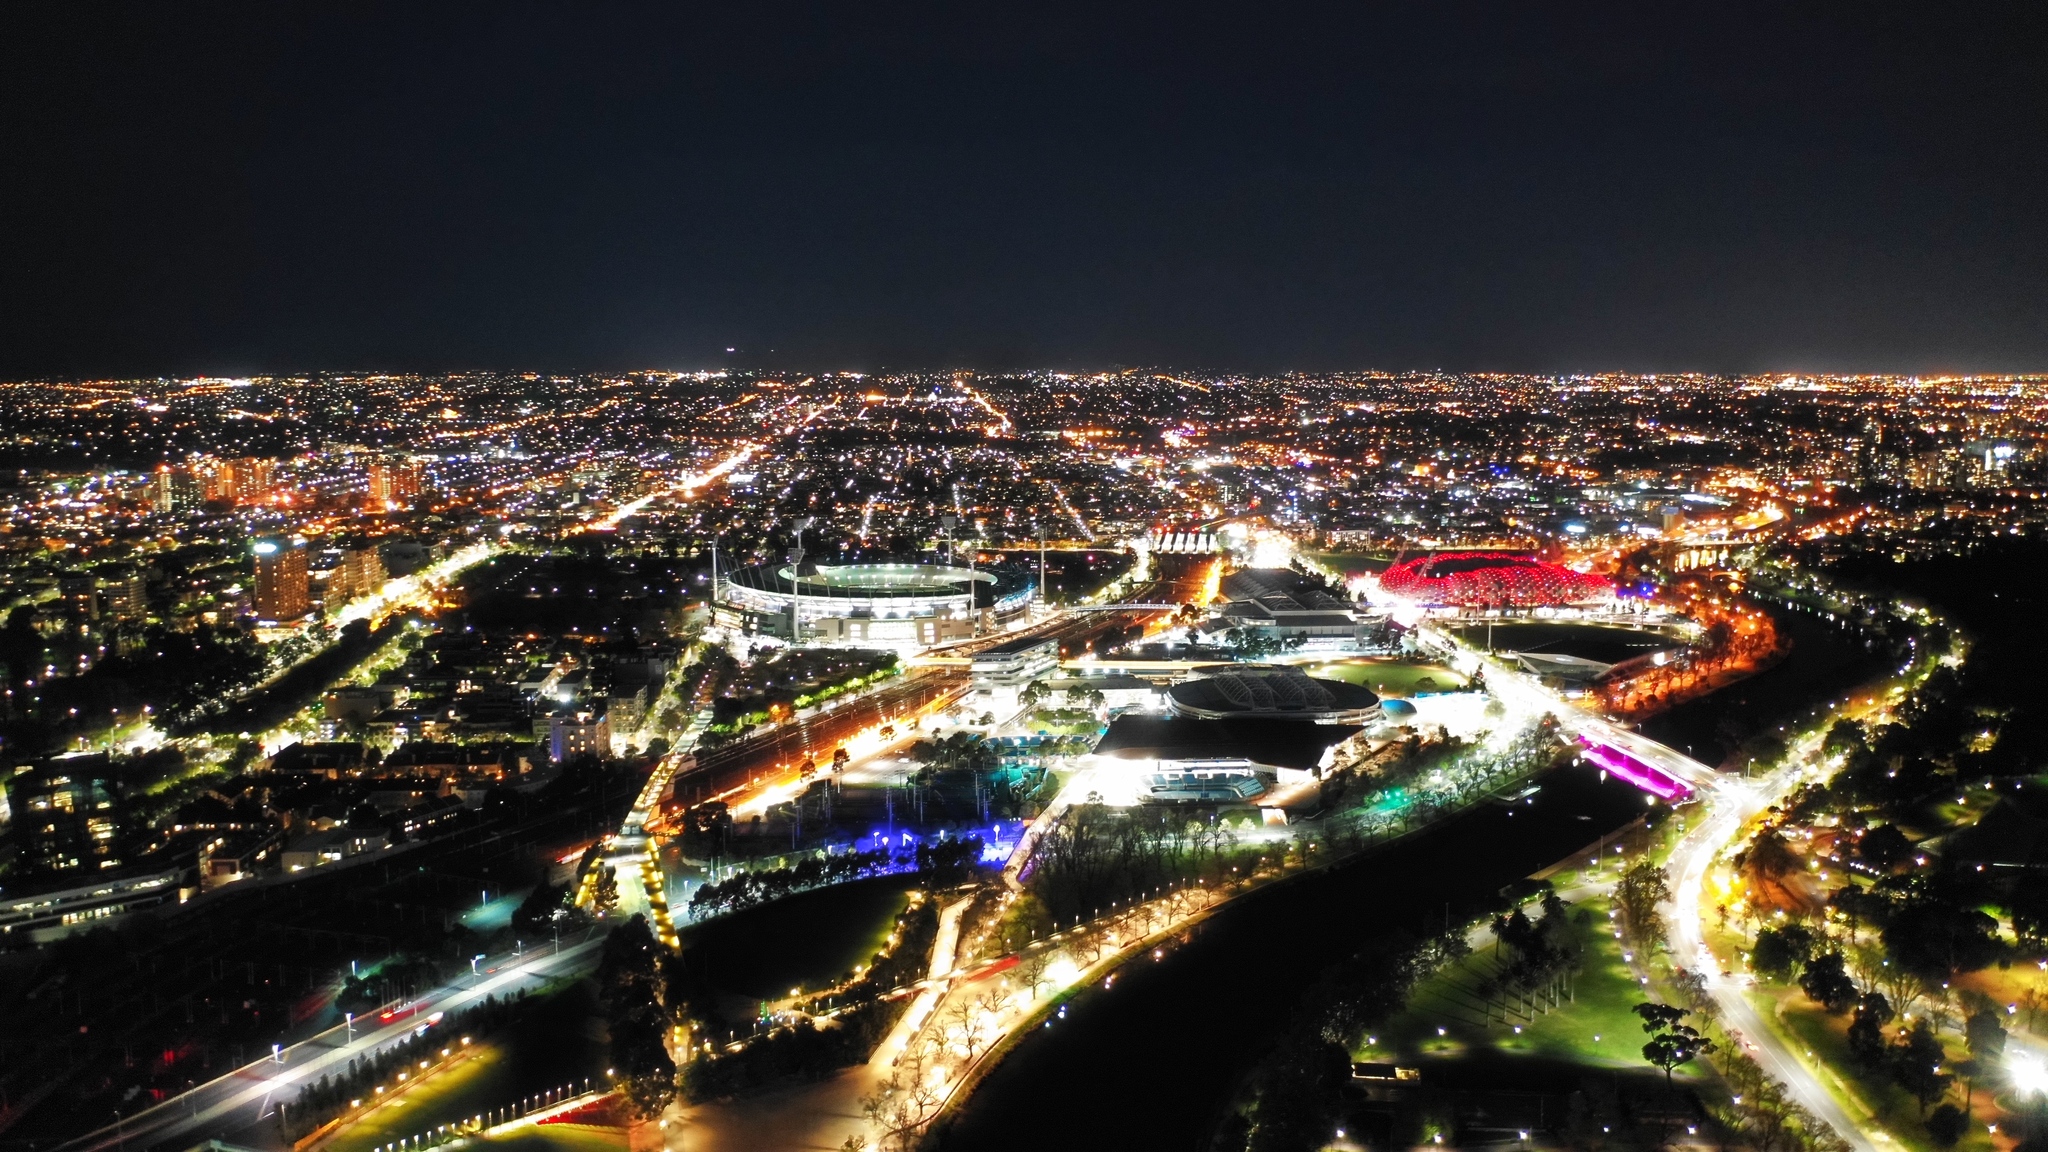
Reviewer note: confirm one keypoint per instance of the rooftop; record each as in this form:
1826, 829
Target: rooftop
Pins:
1272, 743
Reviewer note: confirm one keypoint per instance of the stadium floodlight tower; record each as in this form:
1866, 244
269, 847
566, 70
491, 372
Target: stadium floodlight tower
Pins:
946, 523
714, 573
796, 564
973, 596
1041, 563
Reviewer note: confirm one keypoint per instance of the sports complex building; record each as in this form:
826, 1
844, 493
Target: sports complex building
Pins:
1466, 581
892, 603
1265, 691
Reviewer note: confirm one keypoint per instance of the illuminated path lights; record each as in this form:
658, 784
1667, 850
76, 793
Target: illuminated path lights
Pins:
1730, 804
978, 1012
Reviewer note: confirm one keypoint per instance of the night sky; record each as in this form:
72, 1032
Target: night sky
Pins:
286, 186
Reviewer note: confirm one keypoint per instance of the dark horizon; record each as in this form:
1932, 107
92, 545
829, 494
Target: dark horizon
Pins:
232, 190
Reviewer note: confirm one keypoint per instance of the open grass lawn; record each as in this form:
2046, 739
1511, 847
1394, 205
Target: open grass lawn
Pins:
556, 1041
1391, 677
807, 940
1598, 1026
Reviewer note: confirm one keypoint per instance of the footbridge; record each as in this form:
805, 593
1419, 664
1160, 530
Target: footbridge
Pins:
1654, 767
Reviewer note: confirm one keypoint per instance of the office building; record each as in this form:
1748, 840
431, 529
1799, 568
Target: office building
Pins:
281, 582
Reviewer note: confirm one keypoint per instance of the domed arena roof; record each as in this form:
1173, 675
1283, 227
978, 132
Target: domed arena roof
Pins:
1491, 580
1273, 692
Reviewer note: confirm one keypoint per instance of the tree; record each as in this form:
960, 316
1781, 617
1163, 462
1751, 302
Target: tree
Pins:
1935, 938
1827, 983
1024, 921
1692, 988
630, 986
964, 1018
604, 894
903, 1102
1299, 1092
1859, 906
1866, 1030
1031, 973
1768, 860
539, 908
1916, 1065
1947, 1124
1985, 1033
1672, 1042
1642, 888
1883, 847
1780, 950
1846, 738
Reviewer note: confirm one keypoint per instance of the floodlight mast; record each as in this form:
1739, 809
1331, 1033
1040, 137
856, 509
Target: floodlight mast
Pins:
973, 595
1041, 563
796, 563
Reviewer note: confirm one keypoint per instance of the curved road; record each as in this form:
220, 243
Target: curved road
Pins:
1731, 804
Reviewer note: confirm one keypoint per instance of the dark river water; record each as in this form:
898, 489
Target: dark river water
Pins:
1825, 661
1151, 1062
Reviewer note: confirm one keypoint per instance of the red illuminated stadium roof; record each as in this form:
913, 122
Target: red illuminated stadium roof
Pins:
1491, 579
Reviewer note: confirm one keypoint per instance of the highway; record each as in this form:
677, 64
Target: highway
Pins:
237, 1107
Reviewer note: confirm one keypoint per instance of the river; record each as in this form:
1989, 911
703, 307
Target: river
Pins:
1826, 660
1151, 1062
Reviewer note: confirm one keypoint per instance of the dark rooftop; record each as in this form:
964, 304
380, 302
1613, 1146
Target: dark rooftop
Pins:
1276, 743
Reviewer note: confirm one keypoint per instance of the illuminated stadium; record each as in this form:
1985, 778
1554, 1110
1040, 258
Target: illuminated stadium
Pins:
1490, 580
890, 591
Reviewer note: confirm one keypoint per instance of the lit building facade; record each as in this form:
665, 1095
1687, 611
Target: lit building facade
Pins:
281, 582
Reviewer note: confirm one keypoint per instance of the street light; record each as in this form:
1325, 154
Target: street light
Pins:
474, 975
2028, 1075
